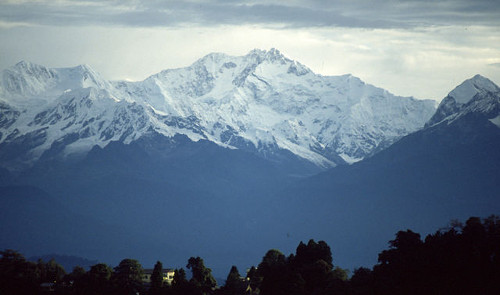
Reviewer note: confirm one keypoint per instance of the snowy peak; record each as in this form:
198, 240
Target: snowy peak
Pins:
82, 76
272, 55
252, 63
262, 102
469, 88
28, 80
28, 68
266, 99
475, 95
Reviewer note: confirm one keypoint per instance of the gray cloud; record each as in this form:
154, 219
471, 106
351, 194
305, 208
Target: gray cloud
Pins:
294, 14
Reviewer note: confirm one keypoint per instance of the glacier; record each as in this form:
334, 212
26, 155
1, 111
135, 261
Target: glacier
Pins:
263, 102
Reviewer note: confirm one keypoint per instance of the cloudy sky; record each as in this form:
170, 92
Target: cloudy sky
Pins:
412, 48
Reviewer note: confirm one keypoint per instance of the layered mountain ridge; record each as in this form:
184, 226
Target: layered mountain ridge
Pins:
183, 163
449, 170
262, 102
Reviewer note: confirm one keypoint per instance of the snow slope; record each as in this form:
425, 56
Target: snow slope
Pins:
475, 95
263, 102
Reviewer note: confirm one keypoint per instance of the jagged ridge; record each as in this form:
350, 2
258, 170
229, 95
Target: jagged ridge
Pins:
263, 102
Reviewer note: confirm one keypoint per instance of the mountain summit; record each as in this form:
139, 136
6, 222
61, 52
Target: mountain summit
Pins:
475, 95
464, 92
28, 80
262, 102
209, 155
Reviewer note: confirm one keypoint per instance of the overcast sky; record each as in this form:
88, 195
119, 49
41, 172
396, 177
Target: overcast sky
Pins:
411, 48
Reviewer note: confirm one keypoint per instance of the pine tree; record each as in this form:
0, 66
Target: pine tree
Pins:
157, 278
234, 283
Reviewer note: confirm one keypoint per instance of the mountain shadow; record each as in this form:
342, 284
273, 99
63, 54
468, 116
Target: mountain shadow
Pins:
448, 171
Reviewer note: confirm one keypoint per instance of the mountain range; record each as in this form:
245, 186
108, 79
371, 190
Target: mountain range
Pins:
232, 156
262, 102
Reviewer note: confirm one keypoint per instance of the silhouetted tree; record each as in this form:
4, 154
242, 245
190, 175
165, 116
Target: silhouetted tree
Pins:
76, 282
361, 282
127, 277
274, 273
157, 279
313, 252
181, 286
54, 272
492, 226
179, 277
313, 265
340, 273
99, 279
254, 280
202, 276
18, 276
400, 270
460, 260
235, 284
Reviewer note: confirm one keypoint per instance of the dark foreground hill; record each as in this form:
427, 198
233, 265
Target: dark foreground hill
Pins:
442, 173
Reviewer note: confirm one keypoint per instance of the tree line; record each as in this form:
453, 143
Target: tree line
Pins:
461, 259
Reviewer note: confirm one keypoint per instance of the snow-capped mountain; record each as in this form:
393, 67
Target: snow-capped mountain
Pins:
450, 169
475, 95
199, 146
262, 102
61, 110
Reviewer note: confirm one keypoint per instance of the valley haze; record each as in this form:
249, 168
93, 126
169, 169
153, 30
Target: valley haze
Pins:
234, 155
